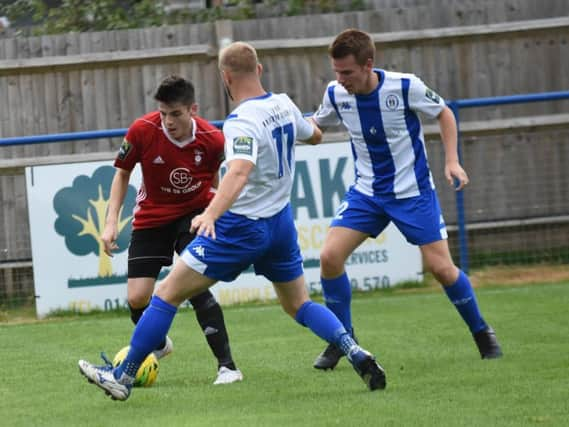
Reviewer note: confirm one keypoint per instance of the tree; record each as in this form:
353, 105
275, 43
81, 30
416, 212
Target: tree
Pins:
61, 16
82, 209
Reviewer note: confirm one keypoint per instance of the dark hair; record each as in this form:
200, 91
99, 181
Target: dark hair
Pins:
175, 89
353, 42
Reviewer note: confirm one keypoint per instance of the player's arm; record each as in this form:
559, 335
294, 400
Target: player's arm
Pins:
307, 130
316, 137
448, 130
119, 188
229, 188
327, 114
428, 102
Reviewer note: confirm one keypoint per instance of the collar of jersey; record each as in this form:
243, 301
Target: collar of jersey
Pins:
185, 142
381, 74
267, 95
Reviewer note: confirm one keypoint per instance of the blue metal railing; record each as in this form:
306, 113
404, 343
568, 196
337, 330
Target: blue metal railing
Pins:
455, 106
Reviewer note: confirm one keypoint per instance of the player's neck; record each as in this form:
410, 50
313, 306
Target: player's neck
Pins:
372, 83
247, 89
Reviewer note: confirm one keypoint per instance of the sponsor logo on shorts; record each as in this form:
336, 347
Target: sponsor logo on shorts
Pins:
200, 251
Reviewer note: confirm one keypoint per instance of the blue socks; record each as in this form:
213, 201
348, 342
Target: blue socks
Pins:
338, 297
326, 325
320, 320
150, 331
462, 296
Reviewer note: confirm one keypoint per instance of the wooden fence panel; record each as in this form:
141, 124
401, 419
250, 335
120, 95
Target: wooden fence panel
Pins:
101, 91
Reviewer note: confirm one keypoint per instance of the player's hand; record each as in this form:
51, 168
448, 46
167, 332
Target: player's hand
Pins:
456, 176
203, 225
109, 238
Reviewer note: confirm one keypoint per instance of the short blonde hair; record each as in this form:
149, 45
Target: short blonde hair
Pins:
238, 57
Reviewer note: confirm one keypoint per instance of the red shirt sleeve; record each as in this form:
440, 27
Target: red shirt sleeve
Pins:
128, 154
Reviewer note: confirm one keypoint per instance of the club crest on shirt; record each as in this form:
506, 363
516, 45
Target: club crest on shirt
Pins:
432, 95
243, 145
124, 149
198, 156
392, 102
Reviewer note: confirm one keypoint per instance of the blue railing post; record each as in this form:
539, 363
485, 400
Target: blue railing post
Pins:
462, 236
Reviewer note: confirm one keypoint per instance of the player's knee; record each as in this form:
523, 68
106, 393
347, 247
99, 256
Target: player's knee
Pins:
204, 301
445, 273
292, 307
331, 263
138, 300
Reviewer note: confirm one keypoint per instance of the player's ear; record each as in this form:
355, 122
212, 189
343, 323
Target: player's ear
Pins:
259, 69
225, 77
194, 109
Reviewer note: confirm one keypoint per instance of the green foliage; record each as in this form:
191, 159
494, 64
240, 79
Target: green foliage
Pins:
60, 16
435, 376
77, 15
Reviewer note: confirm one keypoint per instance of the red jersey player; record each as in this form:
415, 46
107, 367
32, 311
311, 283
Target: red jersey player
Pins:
179, 154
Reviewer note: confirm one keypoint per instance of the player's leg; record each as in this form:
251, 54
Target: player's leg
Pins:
181, 283
458, 288
340, 242
150, 249
421, 222
210, 318
323, 323
358, 217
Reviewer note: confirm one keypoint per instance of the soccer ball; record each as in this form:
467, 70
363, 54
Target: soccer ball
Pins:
148, 371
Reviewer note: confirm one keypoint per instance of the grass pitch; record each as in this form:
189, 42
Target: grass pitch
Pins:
434, 373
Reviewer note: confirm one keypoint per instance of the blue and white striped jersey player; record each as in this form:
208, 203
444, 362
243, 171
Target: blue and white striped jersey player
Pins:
248, 222
393, 182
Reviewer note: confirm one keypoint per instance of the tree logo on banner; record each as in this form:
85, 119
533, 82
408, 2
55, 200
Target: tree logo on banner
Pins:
81, 211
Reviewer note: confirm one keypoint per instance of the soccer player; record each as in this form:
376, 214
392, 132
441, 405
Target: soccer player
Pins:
392, 180
179, 154
249, 221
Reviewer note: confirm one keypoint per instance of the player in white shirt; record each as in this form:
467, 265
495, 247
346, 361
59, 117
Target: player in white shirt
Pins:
392, 180
248, 222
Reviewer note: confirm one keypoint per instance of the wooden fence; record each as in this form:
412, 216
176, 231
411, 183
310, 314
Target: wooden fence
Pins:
93, 81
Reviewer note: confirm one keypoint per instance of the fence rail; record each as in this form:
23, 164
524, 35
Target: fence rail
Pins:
455, 105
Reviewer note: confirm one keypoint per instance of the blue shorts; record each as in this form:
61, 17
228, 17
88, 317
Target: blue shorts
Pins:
269, 244
418, 218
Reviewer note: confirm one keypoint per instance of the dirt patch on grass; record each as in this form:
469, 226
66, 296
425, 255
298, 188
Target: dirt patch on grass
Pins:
520, 275
506, 276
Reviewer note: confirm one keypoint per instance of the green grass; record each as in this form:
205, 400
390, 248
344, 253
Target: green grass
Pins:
435, 376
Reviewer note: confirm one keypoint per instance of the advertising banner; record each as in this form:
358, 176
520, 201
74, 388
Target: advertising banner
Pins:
68, 204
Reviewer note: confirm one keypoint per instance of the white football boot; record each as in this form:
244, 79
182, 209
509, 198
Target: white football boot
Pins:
228, 376
102, 377
166, 350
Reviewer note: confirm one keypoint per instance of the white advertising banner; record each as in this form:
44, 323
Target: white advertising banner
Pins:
67, 206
